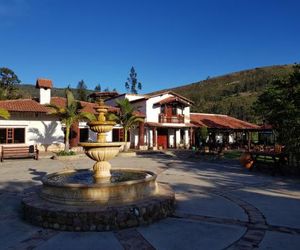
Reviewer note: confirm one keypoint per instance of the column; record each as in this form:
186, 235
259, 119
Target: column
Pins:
141, 134
175, 138
186, 138
154, 137
249, 140
74, 134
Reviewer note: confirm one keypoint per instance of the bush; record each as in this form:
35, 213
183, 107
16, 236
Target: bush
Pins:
65, 153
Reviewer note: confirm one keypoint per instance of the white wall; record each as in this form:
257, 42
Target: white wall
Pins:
45, 96
153, 112
186, 113
41, 130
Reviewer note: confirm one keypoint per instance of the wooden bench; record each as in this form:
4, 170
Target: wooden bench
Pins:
19, 152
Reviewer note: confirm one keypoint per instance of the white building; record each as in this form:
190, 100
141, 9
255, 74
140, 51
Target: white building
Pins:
31, 124
166, 120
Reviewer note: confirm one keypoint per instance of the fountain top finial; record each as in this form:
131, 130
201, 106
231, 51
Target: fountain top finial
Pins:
101, 109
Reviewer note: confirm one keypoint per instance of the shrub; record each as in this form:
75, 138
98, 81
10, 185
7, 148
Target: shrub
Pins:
65, 153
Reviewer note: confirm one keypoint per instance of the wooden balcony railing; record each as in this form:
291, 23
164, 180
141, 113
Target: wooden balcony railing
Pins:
162, 118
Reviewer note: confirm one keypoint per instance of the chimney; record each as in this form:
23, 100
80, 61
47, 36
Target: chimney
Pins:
45, 86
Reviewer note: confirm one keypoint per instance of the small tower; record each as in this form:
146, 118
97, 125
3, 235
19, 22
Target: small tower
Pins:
45, 86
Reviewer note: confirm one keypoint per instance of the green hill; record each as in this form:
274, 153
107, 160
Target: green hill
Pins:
232, 94
29, 91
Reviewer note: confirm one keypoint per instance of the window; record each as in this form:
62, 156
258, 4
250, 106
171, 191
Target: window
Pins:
12, 135
84, 135
174, 110
162, 109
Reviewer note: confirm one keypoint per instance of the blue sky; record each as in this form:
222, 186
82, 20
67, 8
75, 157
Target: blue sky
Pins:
170, 43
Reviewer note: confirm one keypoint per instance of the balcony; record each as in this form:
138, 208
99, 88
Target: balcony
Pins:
162, 118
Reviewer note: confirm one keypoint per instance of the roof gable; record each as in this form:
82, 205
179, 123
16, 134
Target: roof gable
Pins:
174, 94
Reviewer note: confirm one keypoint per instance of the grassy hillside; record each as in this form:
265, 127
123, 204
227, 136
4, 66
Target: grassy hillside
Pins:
232, 94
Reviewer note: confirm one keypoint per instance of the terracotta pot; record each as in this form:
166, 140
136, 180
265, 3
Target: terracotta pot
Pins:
246, 160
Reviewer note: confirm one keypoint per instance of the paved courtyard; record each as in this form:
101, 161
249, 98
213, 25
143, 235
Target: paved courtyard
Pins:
219, 206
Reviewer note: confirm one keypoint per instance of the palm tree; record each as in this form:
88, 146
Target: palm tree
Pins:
4, 113
126, 118
70, 114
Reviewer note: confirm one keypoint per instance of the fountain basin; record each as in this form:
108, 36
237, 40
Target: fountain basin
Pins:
76, 187
101, 151
100, 126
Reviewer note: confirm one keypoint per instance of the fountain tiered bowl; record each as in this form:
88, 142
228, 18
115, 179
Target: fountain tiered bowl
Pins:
100, 198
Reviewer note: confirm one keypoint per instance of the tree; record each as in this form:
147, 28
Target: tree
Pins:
126, 117
82, 91
279, 105
98, 88
8, 82
4, 114
132, 84
70, 114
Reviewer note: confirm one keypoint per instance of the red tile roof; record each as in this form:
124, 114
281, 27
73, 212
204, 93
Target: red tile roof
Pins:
170, 93
43, 83
23, 105
139, 114
266, 127
220, 121
29, 105
87, 106
173, 99
174, 125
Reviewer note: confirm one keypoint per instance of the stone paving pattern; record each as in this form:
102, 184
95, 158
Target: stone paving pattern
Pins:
219, 206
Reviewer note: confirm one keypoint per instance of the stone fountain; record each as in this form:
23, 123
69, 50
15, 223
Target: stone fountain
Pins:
102, 198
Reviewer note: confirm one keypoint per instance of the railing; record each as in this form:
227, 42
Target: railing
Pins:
171, 119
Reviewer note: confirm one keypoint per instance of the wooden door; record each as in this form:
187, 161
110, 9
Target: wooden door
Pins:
168, 111
162, 138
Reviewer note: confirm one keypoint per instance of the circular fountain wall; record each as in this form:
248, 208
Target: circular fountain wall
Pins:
78, 187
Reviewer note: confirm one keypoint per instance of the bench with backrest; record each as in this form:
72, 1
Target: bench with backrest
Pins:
19, 152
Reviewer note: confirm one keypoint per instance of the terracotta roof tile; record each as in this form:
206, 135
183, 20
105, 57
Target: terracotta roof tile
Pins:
29, 105
139, 114
171, 93
220, 121
174, 125
23, 105
173, 99
87, 106
43, 83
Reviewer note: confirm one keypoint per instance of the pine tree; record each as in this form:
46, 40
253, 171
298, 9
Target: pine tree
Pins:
98, 88
133, 85
82, 91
